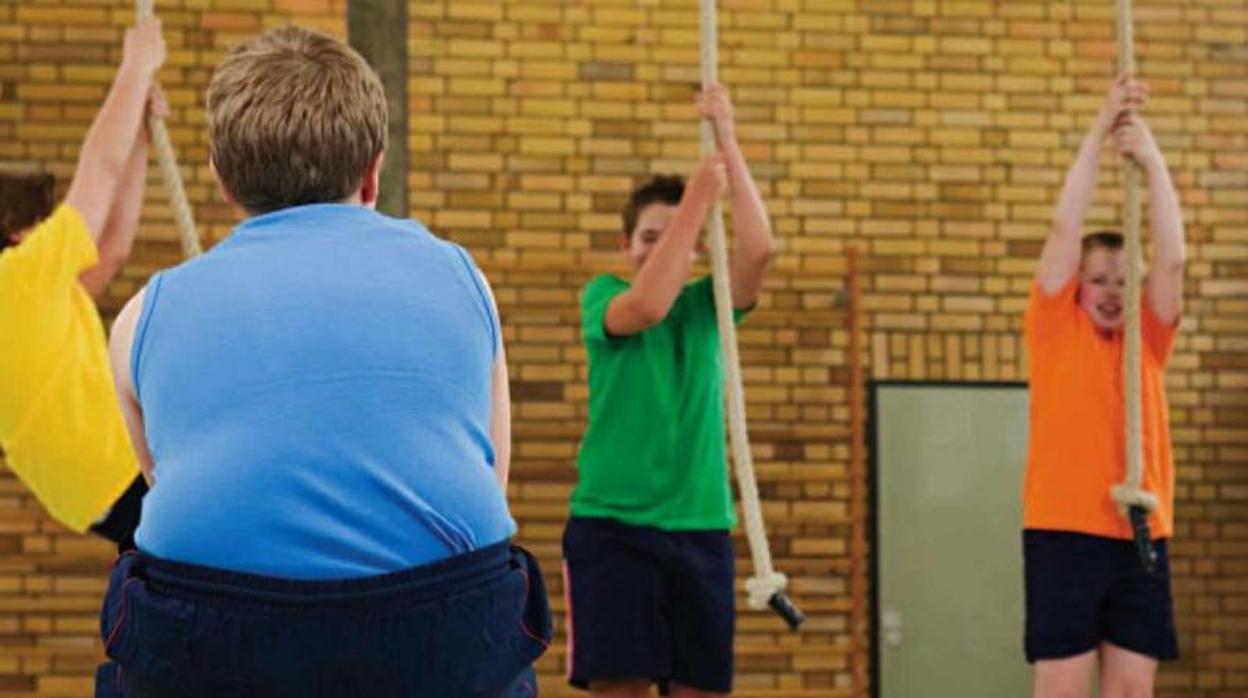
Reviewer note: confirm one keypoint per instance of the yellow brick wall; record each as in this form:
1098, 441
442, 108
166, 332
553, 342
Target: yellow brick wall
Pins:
933, 135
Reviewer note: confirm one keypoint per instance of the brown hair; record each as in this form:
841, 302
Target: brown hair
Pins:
666, 189
294, 117
25, 199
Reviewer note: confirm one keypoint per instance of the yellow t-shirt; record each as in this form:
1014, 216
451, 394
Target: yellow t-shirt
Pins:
61, 426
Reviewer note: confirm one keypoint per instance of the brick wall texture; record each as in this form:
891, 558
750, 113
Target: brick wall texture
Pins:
932, 135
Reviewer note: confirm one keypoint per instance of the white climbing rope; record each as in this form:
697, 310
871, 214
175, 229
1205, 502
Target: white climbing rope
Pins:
766, 582
1129, 493
168, 162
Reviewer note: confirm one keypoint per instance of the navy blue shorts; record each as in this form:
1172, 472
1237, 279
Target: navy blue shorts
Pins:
1083, 590
468, 626
648, 604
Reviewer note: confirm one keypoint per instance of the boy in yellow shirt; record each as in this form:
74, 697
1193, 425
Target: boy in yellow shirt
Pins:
60, 424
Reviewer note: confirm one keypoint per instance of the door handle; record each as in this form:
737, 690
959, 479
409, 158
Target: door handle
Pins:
892, 627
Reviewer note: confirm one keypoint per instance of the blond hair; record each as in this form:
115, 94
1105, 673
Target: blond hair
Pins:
294, 117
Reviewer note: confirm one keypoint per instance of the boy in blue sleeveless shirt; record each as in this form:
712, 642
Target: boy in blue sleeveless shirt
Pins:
320, 404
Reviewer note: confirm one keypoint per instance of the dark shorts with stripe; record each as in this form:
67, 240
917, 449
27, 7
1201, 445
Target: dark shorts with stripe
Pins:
648, 604
467, 626
1084, 590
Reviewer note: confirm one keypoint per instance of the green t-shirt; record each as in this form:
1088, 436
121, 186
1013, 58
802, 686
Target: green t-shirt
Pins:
653, 452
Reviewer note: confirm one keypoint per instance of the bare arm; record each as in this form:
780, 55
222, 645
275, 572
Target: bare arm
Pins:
1059, 260
110, 141
500, 403
123, 220
117, 238
1165, 278
661, 278
751, 226
119, 349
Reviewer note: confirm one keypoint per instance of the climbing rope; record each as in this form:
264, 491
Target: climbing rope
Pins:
1134, 502
767, 586
165, 157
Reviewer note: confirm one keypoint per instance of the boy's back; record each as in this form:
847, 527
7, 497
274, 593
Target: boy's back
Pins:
325, 374
324, 397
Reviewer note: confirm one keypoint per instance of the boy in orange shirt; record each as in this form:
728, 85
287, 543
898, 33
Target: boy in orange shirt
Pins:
1088, 596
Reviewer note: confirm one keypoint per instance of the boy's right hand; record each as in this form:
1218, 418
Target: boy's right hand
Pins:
710, 181
1126, 94
1134, 139
145, 47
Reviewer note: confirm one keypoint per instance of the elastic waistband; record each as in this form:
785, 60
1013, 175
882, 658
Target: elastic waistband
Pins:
405, 587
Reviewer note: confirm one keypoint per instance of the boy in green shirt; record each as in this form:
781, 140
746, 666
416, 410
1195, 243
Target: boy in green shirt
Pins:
647, 551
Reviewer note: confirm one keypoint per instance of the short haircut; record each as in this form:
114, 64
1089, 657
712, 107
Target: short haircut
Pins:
665, 189
294, 117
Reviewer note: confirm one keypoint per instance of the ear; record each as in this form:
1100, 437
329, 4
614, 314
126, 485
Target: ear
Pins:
370, 188
624, 241
225, 193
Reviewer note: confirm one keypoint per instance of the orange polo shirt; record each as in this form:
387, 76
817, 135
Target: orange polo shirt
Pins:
1077, 447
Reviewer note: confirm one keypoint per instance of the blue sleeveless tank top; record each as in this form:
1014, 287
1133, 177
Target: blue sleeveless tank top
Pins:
316, 393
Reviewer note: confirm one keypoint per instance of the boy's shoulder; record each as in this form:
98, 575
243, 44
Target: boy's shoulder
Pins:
701, 284
600, 285
52, 255
606, 280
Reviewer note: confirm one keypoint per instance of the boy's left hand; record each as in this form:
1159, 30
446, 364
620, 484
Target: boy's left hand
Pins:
714, 104
1134, 139
157, 105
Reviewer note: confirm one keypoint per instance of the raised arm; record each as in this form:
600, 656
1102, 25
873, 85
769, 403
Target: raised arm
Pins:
1135, 140
117, 238
661, 278
751, 226
109, 143
1059, 260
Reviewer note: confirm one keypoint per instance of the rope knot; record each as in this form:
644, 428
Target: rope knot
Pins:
761, 588
1127, 496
